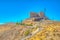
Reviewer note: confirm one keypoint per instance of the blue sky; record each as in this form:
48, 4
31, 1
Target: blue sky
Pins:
17, 10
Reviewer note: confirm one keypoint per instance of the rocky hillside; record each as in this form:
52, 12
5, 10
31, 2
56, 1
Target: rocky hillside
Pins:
37, 27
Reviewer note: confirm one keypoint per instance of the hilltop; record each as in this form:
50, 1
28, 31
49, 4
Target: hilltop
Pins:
37, 27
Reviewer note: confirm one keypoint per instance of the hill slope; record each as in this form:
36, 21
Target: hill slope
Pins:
37, 27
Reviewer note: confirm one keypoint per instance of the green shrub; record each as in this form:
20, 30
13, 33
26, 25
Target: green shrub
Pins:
26, 32
17, 23
29, 25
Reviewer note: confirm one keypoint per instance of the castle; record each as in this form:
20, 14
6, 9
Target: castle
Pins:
34, 18
37, 17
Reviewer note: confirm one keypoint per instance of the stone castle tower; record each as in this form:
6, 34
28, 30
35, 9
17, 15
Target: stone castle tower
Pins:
38, 16
32, 14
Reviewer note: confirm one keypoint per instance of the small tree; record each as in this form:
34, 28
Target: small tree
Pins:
17, 23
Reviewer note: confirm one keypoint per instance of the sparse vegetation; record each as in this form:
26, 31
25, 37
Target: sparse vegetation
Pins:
26, 32
44, 31
29, 25
17, 23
